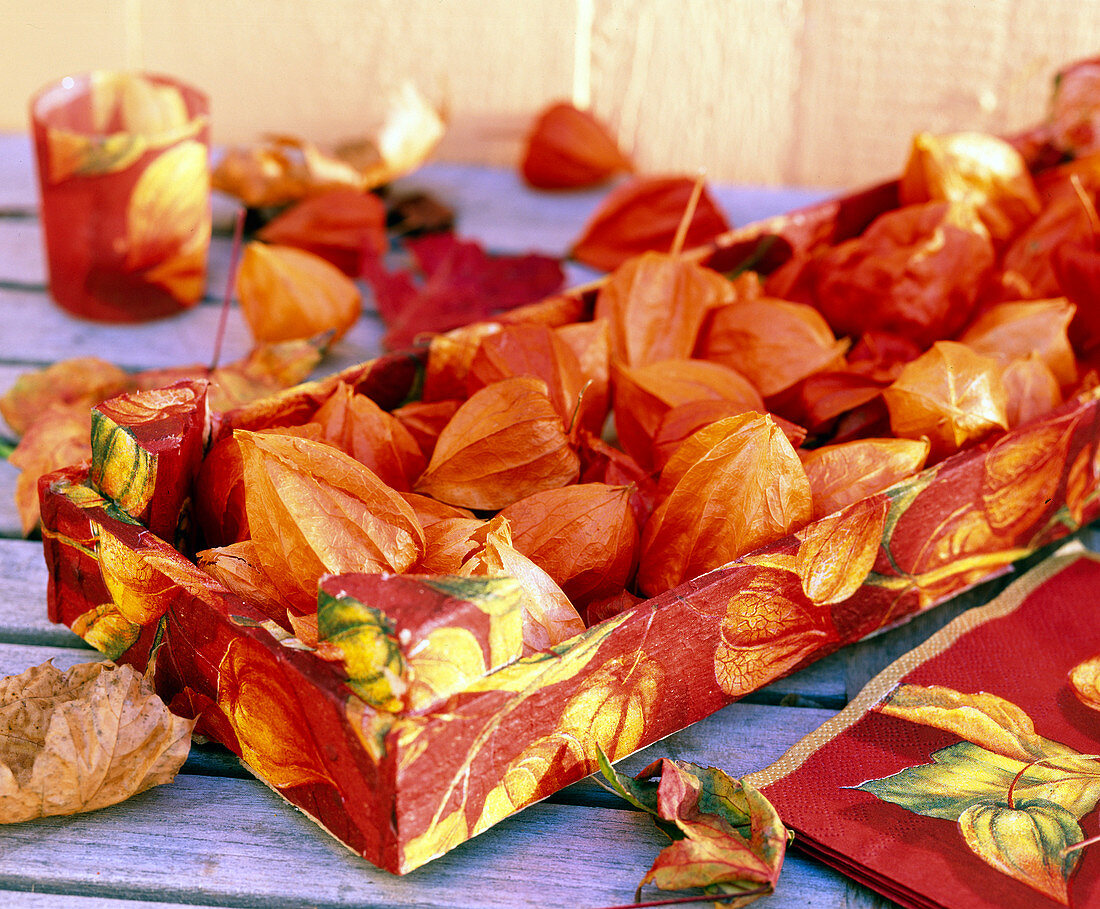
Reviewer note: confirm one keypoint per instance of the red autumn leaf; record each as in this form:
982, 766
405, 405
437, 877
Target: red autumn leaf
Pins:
506, 442
1009, 331
655, 305
731, 488
916, 271
548, 616
642, 215
287, 293
844, 473
772, 343
359, 427
644, 394
584, 536
341, 227
950, 395
569, 148
456, 282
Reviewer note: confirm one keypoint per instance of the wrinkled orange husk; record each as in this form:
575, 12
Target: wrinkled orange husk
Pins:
58, 438
584, 536
425, 420
643, 215
655, 305
1032, 389
1009, 331
506, 442
604, 463
530, 350
568, 148
429, 511
746, 490
360, 428
950, 395
83, 381
772, 343
1074, 124
977, 169
339, 226
591, 344
685, 420
219, 500
548, 616
824, 396
313, 510
845, 473
643, 395
265, 369
916, 271
449, 358
448, 543
287, 293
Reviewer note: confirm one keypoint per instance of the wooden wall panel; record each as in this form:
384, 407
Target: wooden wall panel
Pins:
800, 92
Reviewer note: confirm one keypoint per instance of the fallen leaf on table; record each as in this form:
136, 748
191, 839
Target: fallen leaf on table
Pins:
59, 438
455, 282
726, 837
643, 215
568, 148
287, 168
83, 739
288, 294
341, 227
84, 381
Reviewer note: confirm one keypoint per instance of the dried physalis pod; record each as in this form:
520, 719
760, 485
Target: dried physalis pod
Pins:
506, 442
845, 473
643, 395
548, 616
977, 169
734, 486
655, 304
916, 271
949, 395
314, 510
644, 215
568, 148
449, 358
1074, 125
584, 536
773, 343
287, 293
425, 420
684, 420
1009, 331
359, 427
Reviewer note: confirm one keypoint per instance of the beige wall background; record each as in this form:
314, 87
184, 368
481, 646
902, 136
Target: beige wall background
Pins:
800, 92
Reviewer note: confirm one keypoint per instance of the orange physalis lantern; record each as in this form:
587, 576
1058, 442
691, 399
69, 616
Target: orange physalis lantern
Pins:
568, 148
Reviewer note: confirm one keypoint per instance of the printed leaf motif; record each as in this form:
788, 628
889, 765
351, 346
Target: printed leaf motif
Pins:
287, 294
168, 221
83, 739
365, 639
1027, 842
263, 706
505, 442
1085, 681
107, 630
836, 553
727, 838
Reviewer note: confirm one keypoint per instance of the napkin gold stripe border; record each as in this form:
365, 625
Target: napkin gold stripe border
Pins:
885, 682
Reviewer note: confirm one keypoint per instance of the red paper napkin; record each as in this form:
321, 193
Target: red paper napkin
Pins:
960, 773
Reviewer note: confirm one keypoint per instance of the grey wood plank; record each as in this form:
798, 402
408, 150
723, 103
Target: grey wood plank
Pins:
18, 189
206, 840
23, 579
10, 899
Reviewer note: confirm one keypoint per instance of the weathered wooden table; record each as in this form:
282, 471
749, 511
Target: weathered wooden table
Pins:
217, 836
